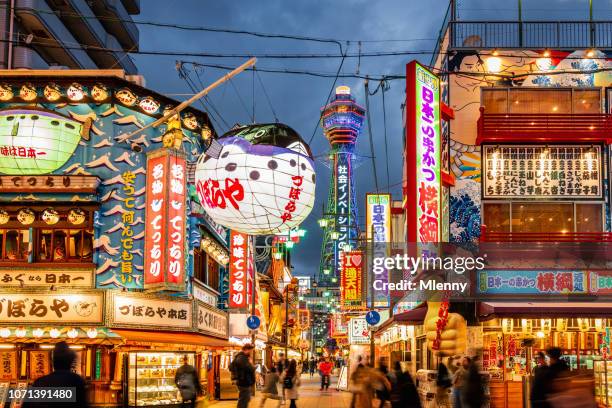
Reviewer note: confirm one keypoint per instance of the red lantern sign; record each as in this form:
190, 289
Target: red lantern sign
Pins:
165, 220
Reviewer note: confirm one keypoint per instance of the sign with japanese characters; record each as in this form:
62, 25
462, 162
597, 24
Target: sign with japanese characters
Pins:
423, 149
351, 281
343, 204
132, 310
204, 295
8, 365
515, 282
238, 268
378, 230
45, 278
338, 325
212, 321
165, 221
127, 231
539, 171
39, 364
76, 184
32, 308
358, 331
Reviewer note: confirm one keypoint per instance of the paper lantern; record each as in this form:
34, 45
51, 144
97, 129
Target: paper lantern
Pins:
4, 217
26, 216
126, 97
92, 333
52, 92
76, 216
72, 333
75, 92
600, 325
5, 332
507, 326
54, 333
34, 141
545, 325
50, 216
527, 326
20, 332
257, 179
99, 92
27, 92
584, 324
561, 325
6, 92
149, 105
38, 332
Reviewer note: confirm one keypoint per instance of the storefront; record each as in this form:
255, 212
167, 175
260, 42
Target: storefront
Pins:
86, 205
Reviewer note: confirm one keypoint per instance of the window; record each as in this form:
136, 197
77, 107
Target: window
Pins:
213, 274
543, 217
49, 235
541, 100
199, 264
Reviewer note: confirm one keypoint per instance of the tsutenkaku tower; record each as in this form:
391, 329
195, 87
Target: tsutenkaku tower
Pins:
341, 120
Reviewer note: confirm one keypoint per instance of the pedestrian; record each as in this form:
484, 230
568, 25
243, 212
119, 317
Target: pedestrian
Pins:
325, 369
270, 390
571, 392
312, 366
458, 379
443, 384
188, 382
540, 382
281, 366
556, 376
291, 382
243, 375
383, 394
472, 392
62, 377
403, 391
366, 381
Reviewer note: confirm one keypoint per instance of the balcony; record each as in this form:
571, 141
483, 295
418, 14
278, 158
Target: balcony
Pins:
544, 127
560, 35
565, 237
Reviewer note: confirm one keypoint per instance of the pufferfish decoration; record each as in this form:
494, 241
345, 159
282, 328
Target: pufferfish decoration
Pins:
257, 179
28, 92
52, 92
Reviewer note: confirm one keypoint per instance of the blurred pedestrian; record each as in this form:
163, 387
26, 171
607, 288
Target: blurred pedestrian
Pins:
570, 392
243, 375
366, 381
443, 385
384, 393
312, 366
325, 369
540, 382
270, 390
290, 379
62, 377
472, 392
403, 391
188, 383
281, 366
458, 379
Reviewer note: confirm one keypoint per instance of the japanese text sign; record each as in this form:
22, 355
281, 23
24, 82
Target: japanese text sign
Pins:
343, 203
137, 310
358, 331
212, 321
532, 282
350, 281
239, 255
378, 230
165, 221
33, 308
422, 178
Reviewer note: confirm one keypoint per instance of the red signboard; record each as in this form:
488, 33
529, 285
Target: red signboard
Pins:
238, 269
165, 221
350, 281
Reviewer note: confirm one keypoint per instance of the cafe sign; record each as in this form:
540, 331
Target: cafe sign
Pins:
212, 321
145, 311
26, 307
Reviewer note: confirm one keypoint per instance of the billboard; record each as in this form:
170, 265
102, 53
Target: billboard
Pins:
422, 183
378, 232
351, 281
238, 268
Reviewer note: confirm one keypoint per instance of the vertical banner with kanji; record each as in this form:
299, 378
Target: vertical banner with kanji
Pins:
422, 171
378, 232
238, 269
165, 229
351, 281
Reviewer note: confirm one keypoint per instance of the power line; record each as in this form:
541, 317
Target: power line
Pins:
209, 100
382, 87
267, 96
367, 100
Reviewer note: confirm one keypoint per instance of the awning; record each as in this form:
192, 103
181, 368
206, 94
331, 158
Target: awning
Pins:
55, 334
491, 310
412, 317
141, 337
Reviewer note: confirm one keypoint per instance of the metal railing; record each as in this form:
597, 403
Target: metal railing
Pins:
568, 35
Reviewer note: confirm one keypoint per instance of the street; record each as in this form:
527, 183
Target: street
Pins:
309, 393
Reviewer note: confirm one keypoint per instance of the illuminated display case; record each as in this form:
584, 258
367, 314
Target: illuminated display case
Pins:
603, 377
151, 377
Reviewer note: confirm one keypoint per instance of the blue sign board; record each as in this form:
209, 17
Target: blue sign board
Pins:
372, 317
253, 322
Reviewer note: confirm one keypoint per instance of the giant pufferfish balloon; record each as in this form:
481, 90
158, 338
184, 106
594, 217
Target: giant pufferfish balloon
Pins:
257, 179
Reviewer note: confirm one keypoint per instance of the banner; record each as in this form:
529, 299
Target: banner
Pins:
358, 331
512, 282
351, 281
238, 269
8, 365
378, 232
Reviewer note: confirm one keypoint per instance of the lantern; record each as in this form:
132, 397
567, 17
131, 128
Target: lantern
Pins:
54, 333
99, 93
26, 216
600, 325
92, 333
75, 92
5, 332
76, 216
52, 92
507, 326
149, 105
527, 326
126, 97
545, 325
4, 217
257, 180
583, 324
50, 216
28, 92
6, 92
38, 332
561, 325
20, 332
42, 141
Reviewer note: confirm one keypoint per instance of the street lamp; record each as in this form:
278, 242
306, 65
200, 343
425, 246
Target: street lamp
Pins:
326, 271
323, 222
334, 235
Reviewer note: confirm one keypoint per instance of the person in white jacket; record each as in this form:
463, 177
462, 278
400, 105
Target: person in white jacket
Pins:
290, 379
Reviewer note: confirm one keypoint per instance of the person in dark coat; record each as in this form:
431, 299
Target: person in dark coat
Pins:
188, 383
540, 383
403, 392
472, 392
62, 377
243, 374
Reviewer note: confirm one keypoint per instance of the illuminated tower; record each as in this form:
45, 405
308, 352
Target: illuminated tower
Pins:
341, 120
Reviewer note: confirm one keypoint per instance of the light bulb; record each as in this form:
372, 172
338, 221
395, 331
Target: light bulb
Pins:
92, 333
38, 332
72, 333
5, 332
54, 333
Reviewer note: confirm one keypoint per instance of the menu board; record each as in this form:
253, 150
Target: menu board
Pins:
542, 172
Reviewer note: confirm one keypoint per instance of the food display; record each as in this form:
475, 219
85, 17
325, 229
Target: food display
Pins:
151, 377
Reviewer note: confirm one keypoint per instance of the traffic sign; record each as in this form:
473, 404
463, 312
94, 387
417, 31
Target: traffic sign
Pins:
372, 317
253, 322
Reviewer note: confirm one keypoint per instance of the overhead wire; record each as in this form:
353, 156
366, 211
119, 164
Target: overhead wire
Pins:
209, 100
241, 100
367, 101
183, 74
267, 96
383, 86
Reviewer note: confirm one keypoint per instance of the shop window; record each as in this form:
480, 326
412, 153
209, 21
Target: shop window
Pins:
60, 245
541, 100
495, 100
497, 217
15, 244
213, 274
543, 217
199, 264
587, 101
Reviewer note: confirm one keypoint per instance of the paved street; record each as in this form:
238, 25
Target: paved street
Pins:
310, 397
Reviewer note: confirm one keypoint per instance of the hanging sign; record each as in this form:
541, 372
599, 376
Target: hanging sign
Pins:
212, 321
47, 278
542, 171
39, 364
351, 281
166, 221
238, 270
8, 365
422, 178
132, 310
344, 184
358, 331
378, 231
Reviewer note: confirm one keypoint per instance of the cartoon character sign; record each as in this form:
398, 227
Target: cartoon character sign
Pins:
257, 179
